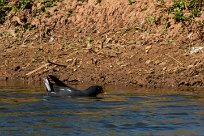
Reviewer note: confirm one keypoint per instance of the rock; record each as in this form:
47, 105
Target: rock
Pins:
162, 63
94, 61
148, 62
157, 62
23, 46
190, 66
164, 68
148, 48
17, 68
51, 39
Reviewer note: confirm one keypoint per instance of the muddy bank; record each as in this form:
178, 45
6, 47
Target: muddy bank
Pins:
137, 44
161, 66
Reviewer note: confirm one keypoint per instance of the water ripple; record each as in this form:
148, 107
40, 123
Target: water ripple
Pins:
27, 112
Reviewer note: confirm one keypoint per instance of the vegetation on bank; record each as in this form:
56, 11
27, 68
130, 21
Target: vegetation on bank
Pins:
186, 10
155, 35
183, 10
19, 14
16, 6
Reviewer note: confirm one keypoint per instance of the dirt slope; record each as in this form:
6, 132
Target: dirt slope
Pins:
141, 43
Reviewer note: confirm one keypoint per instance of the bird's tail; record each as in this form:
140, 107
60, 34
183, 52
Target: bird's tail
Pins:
47, 84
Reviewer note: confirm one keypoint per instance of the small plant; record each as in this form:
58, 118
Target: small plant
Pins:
28, 26
178, 15
24, 3
4, 8
166, 24
98, 1
3, 2
192, 7
151, 19
6, 34
2, 15
14, 8
195, 8
89, 40
16, 30
144, 7
69, 12
131, 2
47, 4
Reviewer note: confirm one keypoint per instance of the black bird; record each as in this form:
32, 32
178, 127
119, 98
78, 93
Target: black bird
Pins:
58, 88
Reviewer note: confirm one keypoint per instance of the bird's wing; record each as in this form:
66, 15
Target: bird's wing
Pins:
57, 81
60, 83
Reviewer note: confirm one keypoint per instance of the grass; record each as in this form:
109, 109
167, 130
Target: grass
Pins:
69, 12
130, 2
98, 1
3, 10
89, 40
24, 4
151, 19
186, 10
6, 6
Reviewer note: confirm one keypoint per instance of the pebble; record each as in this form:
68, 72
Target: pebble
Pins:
162, 64
148, 62
147, 48
190, 66
164, 68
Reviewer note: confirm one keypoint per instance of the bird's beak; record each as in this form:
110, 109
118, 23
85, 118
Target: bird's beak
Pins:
103, 92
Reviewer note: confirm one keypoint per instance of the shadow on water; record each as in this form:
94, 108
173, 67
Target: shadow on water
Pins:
27, 110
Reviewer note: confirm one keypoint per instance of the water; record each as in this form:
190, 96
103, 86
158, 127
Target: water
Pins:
27, 111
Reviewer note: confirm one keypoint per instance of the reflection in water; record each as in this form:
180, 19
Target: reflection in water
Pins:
28, 111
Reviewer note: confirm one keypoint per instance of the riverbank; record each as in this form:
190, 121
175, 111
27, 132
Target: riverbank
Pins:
137, 44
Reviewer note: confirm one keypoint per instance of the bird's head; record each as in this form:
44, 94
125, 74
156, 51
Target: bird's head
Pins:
93, 91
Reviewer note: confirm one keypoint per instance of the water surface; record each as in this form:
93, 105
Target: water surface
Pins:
27, 111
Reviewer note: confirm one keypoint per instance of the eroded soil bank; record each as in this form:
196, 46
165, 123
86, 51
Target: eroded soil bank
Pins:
141, 43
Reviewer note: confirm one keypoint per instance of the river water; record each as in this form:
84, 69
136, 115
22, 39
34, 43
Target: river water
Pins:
28, 111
